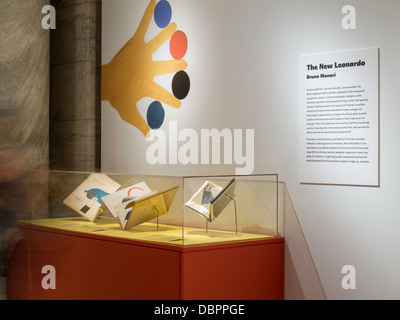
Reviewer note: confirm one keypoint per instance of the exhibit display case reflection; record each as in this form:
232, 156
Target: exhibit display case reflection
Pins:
230, 208
179, 211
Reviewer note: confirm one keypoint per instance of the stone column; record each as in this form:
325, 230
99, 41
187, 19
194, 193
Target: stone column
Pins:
75, 86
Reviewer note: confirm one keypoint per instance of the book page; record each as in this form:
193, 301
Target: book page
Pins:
87, 198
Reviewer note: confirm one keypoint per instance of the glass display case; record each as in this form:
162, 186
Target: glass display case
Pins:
179, 211
229, 208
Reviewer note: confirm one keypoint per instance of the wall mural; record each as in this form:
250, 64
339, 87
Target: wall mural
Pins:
150, 123
129, 76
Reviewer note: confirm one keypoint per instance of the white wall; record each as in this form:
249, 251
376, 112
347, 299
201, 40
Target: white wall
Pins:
243, 63
342, 225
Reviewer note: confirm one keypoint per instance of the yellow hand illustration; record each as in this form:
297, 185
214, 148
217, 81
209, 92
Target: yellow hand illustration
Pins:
129, 76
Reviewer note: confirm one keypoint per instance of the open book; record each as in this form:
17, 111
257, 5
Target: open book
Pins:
116, 200
146, 208
86, 199
211, 199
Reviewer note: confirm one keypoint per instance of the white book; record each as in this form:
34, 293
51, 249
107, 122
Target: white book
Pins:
201, 200
211, 199
87, 198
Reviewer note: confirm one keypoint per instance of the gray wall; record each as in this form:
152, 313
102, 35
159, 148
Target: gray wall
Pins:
24, 117
75, 86
38, 68
24, 81
24, 94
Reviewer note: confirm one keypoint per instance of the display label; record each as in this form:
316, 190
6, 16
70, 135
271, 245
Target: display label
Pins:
339, 118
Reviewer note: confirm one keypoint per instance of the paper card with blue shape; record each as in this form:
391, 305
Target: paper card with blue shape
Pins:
87, 198
211, 199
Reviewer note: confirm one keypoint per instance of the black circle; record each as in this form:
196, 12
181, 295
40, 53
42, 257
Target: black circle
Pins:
181, 85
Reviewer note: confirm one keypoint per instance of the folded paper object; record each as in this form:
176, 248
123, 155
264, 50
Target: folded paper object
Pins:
146, 208
115, 201
211, 199
87, 198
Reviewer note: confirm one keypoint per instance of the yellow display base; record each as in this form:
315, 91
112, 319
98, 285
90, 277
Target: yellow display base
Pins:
166, 234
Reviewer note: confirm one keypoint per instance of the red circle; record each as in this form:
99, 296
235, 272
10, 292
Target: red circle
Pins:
178, 45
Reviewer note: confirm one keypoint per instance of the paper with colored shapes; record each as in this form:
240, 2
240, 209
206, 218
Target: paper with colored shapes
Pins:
112, 201
201, 200
211, 199
144, 209
86, 199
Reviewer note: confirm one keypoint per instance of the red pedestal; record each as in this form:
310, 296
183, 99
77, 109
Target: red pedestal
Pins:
90, 266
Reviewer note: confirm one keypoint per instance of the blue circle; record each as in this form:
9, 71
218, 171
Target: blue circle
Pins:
162, 14
155, 115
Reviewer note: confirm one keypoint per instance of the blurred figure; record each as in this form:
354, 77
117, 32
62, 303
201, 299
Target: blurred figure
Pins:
12, 193
12, 174
23, 172
23, 184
